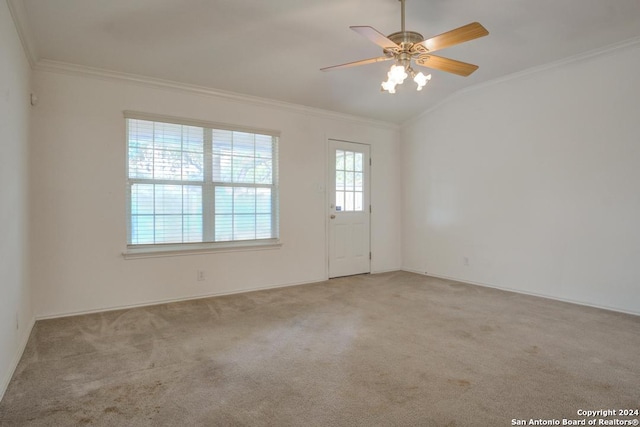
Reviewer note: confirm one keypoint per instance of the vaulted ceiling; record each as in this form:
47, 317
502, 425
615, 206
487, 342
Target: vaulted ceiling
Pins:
274, 49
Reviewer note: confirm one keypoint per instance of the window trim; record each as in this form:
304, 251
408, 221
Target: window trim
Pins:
179, 249
190, 248
136, 115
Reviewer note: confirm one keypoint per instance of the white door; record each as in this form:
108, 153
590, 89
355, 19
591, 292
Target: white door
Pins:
349, 209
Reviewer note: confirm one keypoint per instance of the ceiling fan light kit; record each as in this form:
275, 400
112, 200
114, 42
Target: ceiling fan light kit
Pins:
405, 46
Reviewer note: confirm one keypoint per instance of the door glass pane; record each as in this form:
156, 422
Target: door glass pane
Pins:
358, 181
339, 160
348, 161
348, 201
358, 201
349, 181
340, 180
339, 201
358, 162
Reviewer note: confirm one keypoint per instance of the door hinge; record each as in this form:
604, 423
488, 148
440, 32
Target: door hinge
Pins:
370, 209
369, 255
369, 161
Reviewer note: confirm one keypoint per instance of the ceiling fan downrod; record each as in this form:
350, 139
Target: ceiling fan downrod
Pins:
403, 38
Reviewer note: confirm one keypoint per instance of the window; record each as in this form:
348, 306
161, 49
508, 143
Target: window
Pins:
194, 183
349, 174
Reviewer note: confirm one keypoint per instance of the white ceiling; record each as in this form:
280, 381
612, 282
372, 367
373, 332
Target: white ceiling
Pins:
275, 48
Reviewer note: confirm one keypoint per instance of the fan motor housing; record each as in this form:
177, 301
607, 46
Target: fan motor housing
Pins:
405, 37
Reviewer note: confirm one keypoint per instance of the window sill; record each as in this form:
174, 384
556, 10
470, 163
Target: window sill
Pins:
151, 251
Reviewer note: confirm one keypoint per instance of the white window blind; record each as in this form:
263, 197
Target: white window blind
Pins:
197, 183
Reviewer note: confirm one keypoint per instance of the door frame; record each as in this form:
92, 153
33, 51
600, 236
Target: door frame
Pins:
327, 198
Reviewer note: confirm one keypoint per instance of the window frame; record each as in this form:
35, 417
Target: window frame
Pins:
207, 184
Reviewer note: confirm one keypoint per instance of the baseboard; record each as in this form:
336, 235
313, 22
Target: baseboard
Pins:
410, 270
170, 300
16, 358
391, 270
519, 291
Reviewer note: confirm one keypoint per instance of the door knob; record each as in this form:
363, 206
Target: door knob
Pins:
332, 217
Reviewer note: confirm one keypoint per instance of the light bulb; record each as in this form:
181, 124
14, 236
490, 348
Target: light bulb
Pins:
421, 80
389, 86
397, 74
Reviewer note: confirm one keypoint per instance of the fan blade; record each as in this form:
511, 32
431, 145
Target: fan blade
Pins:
454, 37
375, 36
356, 63
445, 64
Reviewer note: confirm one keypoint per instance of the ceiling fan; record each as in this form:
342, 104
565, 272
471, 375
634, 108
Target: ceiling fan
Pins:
405, 46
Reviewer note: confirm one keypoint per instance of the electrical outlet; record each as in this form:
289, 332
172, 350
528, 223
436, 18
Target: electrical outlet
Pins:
200, 275
465, 261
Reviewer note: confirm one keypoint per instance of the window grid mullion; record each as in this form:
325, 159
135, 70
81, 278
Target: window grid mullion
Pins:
182, 187
153, 174
233, 192
163, 181
208, 190
275, 214
153, 200
255, 193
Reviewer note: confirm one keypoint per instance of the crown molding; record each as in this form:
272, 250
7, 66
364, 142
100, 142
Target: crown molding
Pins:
610, 49
99, 73
20, 21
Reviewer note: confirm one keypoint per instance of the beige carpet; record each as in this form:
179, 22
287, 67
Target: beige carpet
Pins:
389, 349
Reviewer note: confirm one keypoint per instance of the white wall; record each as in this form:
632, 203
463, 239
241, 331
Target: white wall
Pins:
536, 180
78, 169
15, 303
